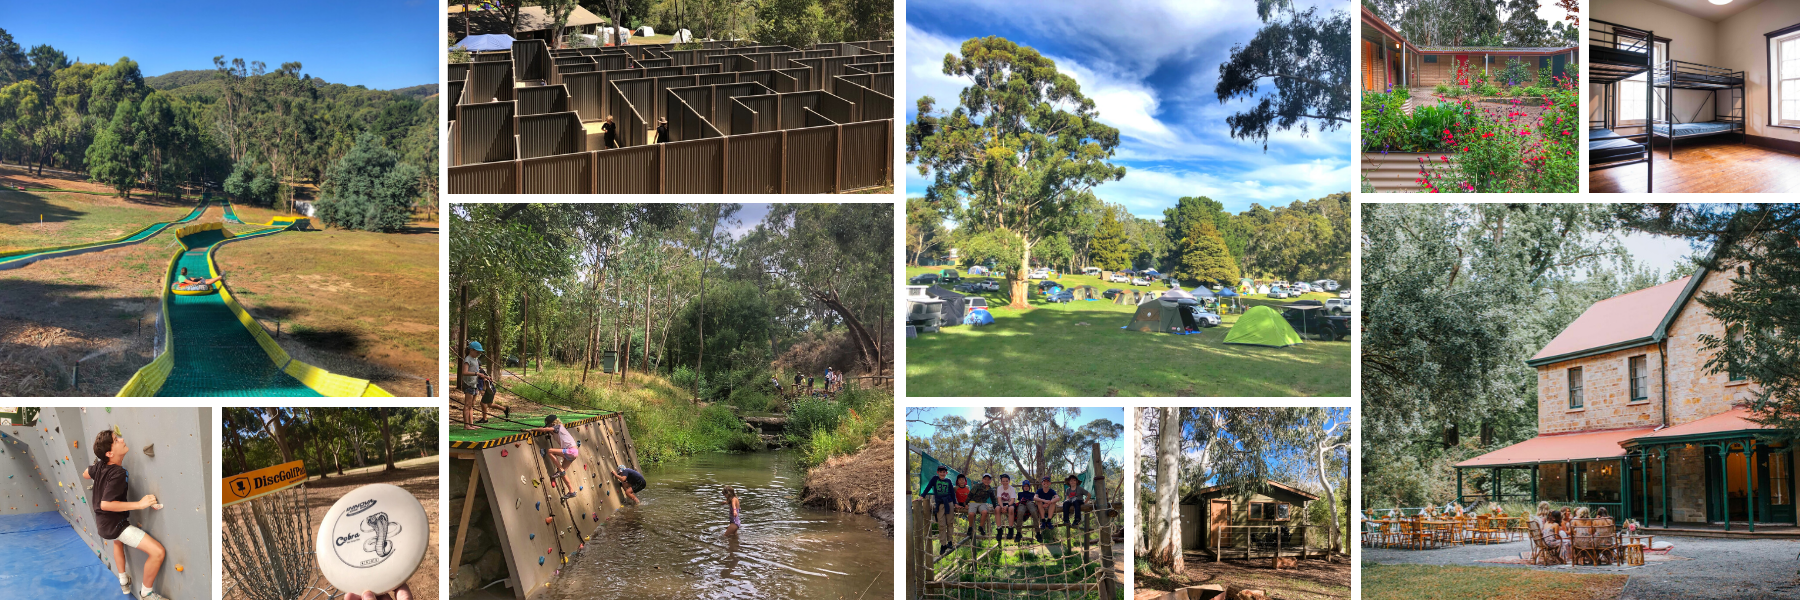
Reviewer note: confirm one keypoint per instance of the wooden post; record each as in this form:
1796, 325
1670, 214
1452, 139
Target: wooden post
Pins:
1103, 504
462, 522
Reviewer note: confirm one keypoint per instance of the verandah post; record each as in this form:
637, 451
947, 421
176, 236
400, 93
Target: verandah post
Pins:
1662, 460
1459, 486
1750, 482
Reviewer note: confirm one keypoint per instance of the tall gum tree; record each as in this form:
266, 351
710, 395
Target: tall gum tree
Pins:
1020, 152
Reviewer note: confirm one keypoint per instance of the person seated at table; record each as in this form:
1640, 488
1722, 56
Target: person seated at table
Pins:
1581, 513
1600, 513
1556, 538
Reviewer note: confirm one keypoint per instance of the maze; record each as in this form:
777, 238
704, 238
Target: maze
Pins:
741, 119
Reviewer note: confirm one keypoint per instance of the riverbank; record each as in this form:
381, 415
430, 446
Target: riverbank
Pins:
860, 483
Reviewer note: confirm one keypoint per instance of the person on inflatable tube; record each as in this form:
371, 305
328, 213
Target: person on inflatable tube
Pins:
195, 286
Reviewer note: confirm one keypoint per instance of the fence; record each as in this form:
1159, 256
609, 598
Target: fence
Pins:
1077, 564
745, 119
824, 159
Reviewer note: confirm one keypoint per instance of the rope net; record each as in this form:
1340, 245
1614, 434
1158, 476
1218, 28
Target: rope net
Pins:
1063, 556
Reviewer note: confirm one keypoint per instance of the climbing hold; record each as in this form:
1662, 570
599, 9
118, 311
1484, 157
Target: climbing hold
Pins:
150, 450
541, 561
533, 536
547, 520
109, 409
77, 444
502, 453
547, 551
565, 560
537, 506
179, 568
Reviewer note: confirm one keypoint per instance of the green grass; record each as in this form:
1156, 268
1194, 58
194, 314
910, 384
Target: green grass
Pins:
1045, 352
1422, 582
73, 218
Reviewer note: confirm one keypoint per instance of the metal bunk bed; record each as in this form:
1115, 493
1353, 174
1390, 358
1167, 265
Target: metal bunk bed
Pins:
1680, 75
1617, 53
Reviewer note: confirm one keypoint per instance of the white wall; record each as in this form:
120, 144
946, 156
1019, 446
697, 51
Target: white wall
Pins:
1742, 46
1690, 38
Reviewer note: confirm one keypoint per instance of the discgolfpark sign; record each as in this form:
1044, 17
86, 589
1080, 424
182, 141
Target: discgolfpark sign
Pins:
246, 486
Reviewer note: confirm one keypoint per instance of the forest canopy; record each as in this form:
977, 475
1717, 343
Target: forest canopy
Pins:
192, 130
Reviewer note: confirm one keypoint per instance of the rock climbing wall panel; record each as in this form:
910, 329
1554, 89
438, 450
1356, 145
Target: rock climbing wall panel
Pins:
539, 531
169, 457
22, 482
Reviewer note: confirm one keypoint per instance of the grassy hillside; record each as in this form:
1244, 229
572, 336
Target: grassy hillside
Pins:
179, 79
418, 91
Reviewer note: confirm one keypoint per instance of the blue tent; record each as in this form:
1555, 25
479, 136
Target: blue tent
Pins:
1202, 292
979, 316
482, 43
1226, 292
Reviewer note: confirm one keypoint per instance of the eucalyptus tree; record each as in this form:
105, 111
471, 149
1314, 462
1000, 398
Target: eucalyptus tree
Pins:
840, 256
1306, 56
1020, 152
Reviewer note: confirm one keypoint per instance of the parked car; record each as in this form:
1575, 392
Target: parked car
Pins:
1090, 271
987, 285
924, 279
1139, 281
1299, 288
1278, 292
1040, 274
1110, 292
1337, 306
949, 276
1316, 323
1204, 317
1120, 278
1345, 294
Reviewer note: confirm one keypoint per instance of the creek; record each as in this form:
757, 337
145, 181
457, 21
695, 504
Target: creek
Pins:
677, 543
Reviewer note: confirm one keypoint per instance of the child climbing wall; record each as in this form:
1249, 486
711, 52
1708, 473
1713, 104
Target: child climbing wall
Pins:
21, 483
170, 457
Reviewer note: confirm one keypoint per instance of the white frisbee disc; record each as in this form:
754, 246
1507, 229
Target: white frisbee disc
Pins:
372, 539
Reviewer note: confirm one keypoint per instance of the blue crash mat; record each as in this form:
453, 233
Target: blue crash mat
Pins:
50, 562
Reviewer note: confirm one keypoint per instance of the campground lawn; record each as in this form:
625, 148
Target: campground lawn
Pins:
76, 218
1424, 582
1080, 349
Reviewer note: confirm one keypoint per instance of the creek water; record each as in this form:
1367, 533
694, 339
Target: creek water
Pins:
676, 543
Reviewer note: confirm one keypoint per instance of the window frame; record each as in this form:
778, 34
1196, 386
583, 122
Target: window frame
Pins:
1575, 385
1638, 377
1636, 83
1267, 510
1775, 39
1431, 59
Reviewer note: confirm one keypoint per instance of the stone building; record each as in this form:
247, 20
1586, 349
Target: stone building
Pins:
1632, 420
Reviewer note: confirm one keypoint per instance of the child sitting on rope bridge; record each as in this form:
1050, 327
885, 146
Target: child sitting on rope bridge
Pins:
1009, 506
1027, 504
1045, 507
981, 502
942, 494
1074, 496
565, 455
112, 513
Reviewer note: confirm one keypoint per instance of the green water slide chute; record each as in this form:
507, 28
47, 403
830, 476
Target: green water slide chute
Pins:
21, 258
212, 347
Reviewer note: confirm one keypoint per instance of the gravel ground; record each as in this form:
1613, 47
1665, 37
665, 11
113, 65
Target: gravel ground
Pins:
1719, 568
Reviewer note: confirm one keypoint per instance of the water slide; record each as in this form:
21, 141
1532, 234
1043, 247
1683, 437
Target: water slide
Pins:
26, 257
211, 346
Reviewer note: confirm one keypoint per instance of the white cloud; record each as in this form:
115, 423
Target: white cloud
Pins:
925, 68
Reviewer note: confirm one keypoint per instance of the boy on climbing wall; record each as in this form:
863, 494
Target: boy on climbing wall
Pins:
632, 480
565, 455
112, 513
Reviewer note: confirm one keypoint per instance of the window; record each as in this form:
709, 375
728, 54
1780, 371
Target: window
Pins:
1268, 511
1632, 101
1640, 377
1431, 59
1574, 388
1737, 339
1784, 69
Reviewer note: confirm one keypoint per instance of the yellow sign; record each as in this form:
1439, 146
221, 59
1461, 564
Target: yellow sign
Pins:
239, 488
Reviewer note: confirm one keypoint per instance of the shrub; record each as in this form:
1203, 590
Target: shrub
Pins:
1483, 88
1429, 124
1516, 74
1384, 123
369, 188
807, 415
1443, 89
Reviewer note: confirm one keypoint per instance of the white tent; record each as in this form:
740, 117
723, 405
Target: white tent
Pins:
646, 31
682, 37
1262, 288
1174, 295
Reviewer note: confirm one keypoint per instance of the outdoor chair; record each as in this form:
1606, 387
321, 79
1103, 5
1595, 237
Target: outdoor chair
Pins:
1449, 534
1484, 530
1542, 553
1517, 526
1416, 534
1596, 543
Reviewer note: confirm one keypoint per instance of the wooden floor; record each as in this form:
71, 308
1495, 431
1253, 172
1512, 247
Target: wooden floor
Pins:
1707, 165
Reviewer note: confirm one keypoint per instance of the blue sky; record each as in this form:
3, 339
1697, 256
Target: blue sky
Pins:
381, 44
1150, 68
1110, 451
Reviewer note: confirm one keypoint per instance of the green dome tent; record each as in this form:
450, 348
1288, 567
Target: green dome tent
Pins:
1262, 326
1155, 317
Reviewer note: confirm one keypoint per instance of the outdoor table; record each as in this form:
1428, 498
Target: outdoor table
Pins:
1644, 539
1634, 554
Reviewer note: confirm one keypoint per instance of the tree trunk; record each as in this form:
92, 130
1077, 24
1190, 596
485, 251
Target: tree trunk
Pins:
493, 345
705, 261
1330, 497
387, 440
1166, 547
278, 431
871, 353
646, 364
1018, 279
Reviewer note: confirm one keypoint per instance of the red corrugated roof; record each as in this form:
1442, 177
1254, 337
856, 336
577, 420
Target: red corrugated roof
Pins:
1737, 419
1616, 319
1587, 445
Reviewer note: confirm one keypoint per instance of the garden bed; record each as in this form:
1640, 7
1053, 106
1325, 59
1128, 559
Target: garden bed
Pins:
1489, 143
1393, 172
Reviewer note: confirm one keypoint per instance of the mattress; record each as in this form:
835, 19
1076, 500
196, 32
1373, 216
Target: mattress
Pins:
1694, 129
1604, 151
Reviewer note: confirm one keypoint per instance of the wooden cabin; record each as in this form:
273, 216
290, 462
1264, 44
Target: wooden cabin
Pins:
1278, 513
1391, 60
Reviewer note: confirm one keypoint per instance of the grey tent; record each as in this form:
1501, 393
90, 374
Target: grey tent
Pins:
955, 305
1124, 297
1164, 315
1084, 292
